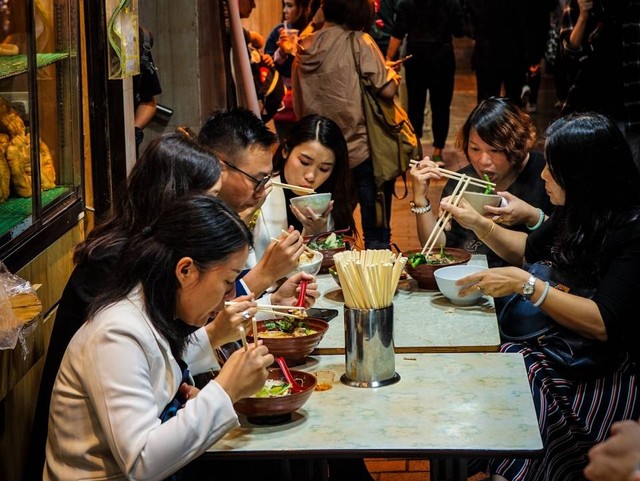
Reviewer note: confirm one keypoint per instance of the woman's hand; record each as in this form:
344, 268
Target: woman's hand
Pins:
287, 294
617, 458
585, 6
496, 282
224, 328
281, 257
286, 43
245, 372
515, 212
313, 223
187, 391
421, 175
466, 215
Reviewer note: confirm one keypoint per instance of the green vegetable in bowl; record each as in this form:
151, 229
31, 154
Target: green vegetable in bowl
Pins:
441, 258
289, 325
332, 241
273, 388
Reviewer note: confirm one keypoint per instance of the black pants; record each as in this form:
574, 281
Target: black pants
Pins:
431, 69
490, 81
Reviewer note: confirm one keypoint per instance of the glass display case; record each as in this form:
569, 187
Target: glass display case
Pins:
40, 121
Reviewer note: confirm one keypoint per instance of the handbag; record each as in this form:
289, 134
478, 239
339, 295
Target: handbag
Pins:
573, 355
392, 139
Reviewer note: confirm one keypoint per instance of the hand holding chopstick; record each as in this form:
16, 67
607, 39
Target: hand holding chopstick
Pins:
456, 176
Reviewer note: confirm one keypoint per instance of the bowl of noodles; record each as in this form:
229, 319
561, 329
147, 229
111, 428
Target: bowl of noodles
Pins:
421, 269
293, 339
275, 402
330, 243
309, 262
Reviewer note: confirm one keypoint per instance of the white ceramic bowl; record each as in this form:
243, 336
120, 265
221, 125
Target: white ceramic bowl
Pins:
478, 200
310, 267
446, 278
318, 203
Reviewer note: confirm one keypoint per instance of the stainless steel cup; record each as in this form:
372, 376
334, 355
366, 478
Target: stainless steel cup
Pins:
369, 350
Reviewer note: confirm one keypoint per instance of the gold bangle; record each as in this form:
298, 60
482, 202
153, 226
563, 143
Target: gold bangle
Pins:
493, 226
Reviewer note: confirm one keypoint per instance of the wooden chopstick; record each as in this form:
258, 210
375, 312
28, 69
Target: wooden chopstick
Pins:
450, 174
306, 247
286, 314
267, 306
460, 189
282, 185
243, 335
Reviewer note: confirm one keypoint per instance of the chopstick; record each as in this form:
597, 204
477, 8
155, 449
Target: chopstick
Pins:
306, 247
456, 176
262, 307
254, 325
460, 189
243, 335
282, 185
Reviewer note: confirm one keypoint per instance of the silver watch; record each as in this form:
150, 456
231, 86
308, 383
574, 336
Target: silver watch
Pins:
528, 288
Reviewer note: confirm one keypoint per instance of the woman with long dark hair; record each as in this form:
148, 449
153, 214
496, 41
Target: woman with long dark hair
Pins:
122, 405
314, 155
592, 241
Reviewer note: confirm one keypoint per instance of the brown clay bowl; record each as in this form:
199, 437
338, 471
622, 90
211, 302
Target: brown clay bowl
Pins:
423, 273
294, 349
273, 409
327, 254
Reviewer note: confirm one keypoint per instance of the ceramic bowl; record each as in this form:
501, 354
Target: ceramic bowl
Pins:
318, 203
263, 410
327, 254
478, 200
446, 278
294, 349
312, 266
423, 273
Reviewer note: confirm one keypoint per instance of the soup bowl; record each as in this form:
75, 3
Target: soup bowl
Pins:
446, 278
478, 200
328, 253
318, 203
423, 273
269, 410
309, 265
293, 349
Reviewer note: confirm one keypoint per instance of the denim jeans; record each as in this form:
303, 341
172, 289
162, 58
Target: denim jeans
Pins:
365, 187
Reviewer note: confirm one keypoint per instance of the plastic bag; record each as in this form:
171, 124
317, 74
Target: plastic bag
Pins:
15, 291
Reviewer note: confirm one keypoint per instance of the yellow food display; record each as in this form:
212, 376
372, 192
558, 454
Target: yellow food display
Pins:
10, 121
7, 49
18, 157
5, 173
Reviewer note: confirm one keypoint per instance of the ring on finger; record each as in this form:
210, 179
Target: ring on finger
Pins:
479, 289
498, 220
246, 315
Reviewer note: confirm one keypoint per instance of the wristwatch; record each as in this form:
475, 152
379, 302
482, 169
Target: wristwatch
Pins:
529, 287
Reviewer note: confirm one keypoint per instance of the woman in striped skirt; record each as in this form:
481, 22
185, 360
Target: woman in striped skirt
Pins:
592, 240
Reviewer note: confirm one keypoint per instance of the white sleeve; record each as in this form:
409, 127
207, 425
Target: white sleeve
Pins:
200, 356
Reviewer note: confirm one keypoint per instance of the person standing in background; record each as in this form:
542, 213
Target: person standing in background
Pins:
146, 85
430, 26
384, 22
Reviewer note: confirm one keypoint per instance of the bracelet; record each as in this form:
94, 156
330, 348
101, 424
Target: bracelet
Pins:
543, 296
493, 226
423, 209
539, 223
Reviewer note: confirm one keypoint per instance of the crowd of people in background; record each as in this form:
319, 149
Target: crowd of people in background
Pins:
200, 222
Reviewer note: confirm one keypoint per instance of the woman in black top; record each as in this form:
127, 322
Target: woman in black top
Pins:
592, 239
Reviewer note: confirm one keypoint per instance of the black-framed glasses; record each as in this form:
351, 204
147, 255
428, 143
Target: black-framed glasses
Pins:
260, 183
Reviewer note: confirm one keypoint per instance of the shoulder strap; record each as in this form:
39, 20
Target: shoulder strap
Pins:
352, 36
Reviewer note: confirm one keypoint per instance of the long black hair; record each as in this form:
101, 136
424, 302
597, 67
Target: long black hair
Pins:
501, 124
328, 134
203, 228
173, 165
591, 161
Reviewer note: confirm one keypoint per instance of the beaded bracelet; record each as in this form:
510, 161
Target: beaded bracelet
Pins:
543, 296
423, 209
539, 223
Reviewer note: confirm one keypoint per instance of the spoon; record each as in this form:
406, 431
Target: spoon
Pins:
295, 387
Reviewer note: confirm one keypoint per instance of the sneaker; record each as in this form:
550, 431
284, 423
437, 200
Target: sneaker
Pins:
531, 108
524, 96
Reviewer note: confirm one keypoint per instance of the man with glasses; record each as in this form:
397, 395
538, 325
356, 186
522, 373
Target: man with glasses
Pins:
244, 147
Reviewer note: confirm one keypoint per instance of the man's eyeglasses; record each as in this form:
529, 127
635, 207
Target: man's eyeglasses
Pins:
260, 183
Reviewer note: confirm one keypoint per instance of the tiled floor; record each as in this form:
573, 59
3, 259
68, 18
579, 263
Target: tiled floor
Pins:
403, 230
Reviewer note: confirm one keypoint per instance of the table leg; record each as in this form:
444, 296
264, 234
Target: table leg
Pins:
447, 469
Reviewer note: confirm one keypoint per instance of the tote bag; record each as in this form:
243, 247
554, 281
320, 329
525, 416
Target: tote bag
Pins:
392, 139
